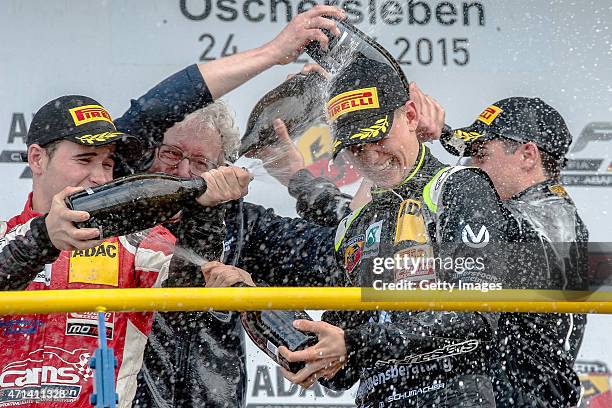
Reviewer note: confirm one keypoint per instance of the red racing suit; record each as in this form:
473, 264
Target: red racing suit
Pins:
44, 359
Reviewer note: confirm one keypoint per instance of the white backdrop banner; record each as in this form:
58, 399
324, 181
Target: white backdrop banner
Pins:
467, 54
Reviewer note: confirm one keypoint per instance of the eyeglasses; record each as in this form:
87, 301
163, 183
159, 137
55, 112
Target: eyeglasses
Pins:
173, 156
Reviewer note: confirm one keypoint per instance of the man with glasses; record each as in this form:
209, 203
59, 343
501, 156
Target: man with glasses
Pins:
199, 358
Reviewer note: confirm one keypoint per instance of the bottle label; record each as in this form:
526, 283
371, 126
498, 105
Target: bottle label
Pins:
272, 348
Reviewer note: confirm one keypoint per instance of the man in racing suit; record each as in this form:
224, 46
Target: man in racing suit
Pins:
72, 141
521, 143
422, 209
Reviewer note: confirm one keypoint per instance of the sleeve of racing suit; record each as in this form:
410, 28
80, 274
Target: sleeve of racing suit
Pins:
467, 199
167, 103
318, 200
287, 251
24, 251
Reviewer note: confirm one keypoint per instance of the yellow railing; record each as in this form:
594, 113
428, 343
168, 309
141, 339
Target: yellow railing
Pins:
184, 299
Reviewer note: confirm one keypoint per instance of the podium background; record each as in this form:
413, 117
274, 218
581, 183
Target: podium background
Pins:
115, 50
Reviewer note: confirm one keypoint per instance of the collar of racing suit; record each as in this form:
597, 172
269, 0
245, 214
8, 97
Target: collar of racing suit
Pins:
424, 169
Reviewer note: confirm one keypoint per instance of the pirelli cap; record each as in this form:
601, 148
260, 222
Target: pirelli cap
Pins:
81, 120
517, 118
363, 97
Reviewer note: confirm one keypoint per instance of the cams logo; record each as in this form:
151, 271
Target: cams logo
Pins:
86, 324
589, 171
46, 374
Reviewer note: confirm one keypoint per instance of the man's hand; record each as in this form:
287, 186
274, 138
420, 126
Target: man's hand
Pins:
304, 28
219, 275
64, 235
224, 184
281, 159
431, 115
312, 67
323, 360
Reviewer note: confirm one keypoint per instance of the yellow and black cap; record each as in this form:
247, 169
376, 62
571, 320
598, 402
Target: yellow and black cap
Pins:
518, 118
363, 98
81, 120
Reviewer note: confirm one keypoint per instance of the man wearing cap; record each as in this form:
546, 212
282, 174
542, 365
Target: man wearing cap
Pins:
521, 143
420, 209
73, 144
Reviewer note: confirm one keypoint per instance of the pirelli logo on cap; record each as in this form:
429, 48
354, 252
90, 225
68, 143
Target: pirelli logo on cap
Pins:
359, 99
488, 115
89, 113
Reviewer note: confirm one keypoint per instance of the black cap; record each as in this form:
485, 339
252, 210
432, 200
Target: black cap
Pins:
363, 98
81, 120
517, 118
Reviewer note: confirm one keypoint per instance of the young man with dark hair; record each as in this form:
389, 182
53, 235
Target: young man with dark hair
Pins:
420, 208
521, 143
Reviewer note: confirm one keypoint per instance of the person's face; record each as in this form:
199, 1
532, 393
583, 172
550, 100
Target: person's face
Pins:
201, 146
74, 165
494, 157
388, 161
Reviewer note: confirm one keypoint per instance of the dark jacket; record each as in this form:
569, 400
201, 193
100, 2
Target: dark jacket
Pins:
198, 359
535, 353
423, 358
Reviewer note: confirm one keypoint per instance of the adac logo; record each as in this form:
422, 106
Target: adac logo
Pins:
97, 266
473, 240
89, 113
489, 114
351, 101
109, 250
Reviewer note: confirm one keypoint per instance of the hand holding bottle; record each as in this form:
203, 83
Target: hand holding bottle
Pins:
304, 28
64, 235
323, 360
224, 184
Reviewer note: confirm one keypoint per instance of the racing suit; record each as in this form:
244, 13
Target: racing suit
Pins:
44, 358
536, 352
423, 358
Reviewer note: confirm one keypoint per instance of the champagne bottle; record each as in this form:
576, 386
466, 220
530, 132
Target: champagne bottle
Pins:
270, 329
350, 42
134, 203
299, 102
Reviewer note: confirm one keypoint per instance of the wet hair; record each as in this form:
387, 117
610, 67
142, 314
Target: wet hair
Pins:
550, 165
50, 148
218, 116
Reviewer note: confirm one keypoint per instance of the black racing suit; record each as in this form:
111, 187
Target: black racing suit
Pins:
423, 358
536, 352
